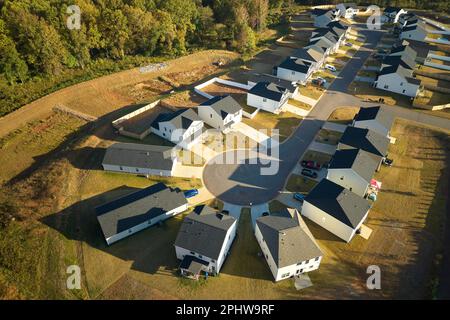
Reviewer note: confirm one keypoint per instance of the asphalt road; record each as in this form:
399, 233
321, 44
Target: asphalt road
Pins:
243, 183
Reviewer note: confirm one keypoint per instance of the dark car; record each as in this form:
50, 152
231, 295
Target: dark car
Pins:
191, 193
309, 173
388, 162
226, 212
310, 165
264, 214
298, 196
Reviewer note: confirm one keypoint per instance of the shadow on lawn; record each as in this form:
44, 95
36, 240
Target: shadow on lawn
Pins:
150, 250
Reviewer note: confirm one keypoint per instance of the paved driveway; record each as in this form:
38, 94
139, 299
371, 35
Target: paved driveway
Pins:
251, 132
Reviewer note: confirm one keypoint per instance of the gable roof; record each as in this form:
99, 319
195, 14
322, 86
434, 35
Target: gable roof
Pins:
391, 9
223, 105
139, 156
363, 163
338, 202
313, 54
203, 231
338, 24
264, 77
288, 239
404, 60
364, 139
405, 50
294, 64
319, 12
321, 43
401, 71
138, 207
377, 113
268, 90
181, 119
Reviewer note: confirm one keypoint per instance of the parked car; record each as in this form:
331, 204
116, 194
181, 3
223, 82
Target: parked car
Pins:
309, 173
298, 196
191, 193
310, 165
388, 162
226, 212
319, 81
348, 44
330, 67
265, 214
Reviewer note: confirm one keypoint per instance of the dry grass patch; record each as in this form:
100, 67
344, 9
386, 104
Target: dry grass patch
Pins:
299, 104
320, 157
311, 91
302, 184
328, 136
365, 91
343, 115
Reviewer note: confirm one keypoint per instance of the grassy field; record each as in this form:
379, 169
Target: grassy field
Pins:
311, 91
299, 104
285, 122
364, 90
343, 115
301, 184
319, 157
328, 136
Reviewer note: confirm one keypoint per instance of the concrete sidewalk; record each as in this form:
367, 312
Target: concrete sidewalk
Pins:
295, 110
256, 211
322, 147
182, 171
312, 102
251, 132
233, 209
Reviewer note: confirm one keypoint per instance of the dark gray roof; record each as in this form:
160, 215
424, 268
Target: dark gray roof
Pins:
203, 231
404, 60
391, 9
181, 119
321, 43
313, 54
405, 50
338, 202
363, 163
319, 12
139, 156
223, 105
138, 207
350, 5
264, 77
193, 264
268, 90
327, 33
298, 65
338, 24
382, 116
364, 139
288, 239
401, 71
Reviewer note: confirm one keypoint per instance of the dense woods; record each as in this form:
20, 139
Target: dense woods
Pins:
37, 45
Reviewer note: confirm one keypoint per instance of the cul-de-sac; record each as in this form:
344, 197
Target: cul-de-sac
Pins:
258, 149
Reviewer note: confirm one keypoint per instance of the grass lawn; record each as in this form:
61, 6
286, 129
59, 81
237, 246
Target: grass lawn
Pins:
319, 157
368, 74
343, 115
276, 206
299, 104
328, 136
311, 91
301, 184
285, 122
365, 90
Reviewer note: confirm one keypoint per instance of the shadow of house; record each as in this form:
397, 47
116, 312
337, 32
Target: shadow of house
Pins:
151, 250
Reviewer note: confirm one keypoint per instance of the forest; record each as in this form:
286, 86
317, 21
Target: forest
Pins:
39, 53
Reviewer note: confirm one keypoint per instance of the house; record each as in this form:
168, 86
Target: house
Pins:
141, 159
268, 96
403, 60
391, 14
287, 245
376, 119
296, 70
314, 55
336, 209
327, 35
139, 210
404, 50
347, 10
182, 127
291, 86
339, 27
416, 32
221, 112
323, 17
398, 79
365, 139
204, 240
353, 169
324, 45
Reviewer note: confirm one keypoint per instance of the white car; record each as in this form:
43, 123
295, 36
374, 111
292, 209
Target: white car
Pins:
330, 67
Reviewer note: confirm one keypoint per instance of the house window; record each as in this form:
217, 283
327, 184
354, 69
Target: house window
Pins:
317, 259
386, 86
401, 83
299, 263
121, 168
285, 275
210, 115
267, 256
264, 100
165, 128
137, 170
342, 178
293, 73
200, 256
404, 91
192, 252
297, 272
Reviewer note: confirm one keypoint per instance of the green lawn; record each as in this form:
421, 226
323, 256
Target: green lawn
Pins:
301, 184
328, 136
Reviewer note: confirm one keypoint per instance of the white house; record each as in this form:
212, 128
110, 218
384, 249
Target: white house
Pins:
137, 211
392, 14
254, 78
268, 96
347, 10
140, 159
287, 245
325, 46
353, 169
315, 55
398, 79
336, 209
329, 36
221, 112
293, 69
374, 118
205, 238
365, 139
339, 27
182, 127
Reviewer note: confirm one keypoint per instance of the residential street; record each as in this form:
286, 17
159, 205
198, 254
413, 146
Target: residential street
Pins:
243, 183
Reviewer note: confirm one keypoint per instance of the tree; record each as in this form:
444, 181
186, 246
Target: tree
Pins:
260, 10
114, 32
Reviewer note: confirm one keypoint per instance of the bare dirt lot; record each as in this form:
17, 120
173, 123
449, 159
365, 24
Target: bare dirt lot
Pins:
106, 94
218, 89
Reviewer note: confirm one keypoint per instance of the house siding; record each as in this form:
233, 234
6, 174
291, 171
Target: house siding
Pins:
267, 105
395, 83
139, 171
